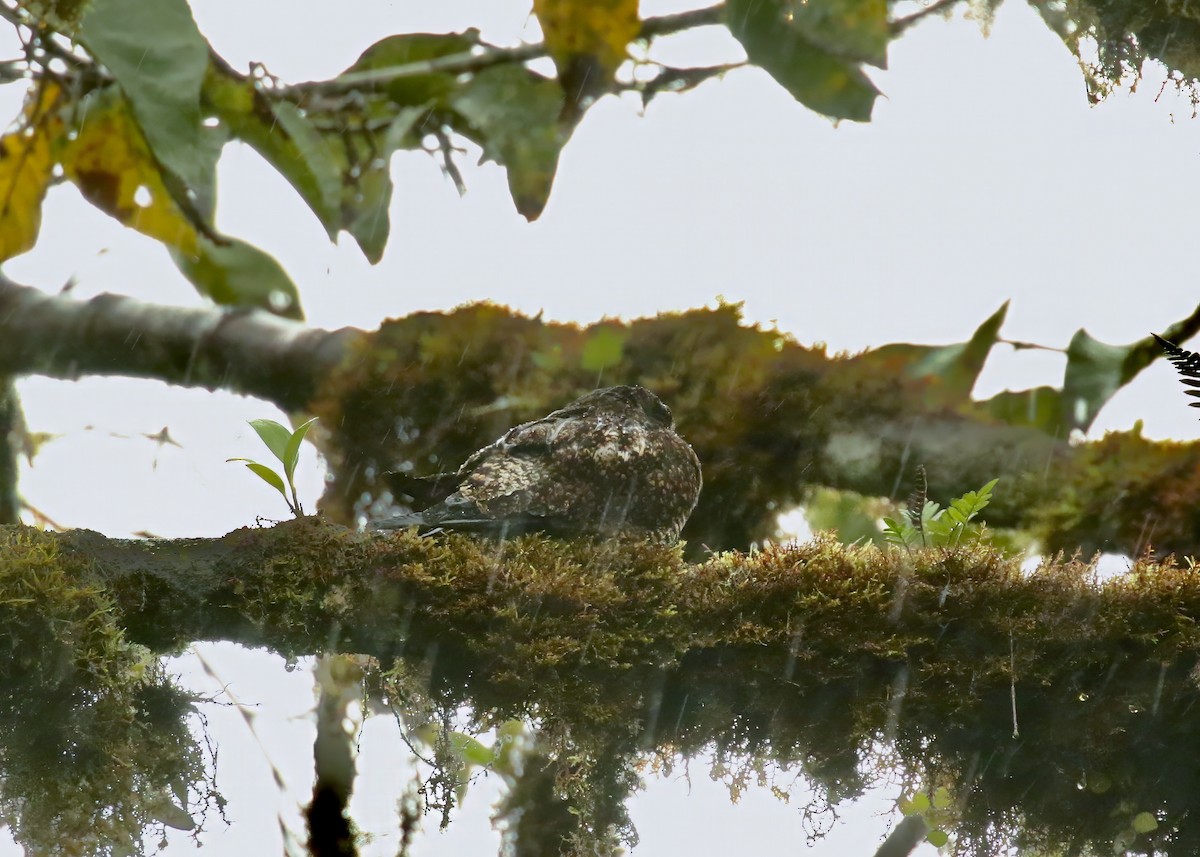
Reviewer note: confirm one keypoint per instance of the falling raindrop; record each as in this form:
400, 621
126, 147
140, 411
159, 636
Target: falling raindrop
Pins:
789, 668
1158, 688
899, 691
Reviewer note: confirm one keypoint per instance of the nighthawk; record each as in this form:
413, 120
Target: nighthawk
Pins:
607, 464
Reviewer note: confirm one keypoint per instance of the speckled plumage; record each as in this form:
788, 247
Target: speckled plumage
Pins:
609, 463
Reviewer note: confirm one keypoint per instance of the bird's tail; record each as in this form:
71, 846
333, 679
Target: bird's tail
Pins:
398, 522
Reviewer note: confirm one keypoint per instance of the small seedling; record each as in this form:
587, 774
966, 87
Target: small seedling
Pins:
285, 445
926, 524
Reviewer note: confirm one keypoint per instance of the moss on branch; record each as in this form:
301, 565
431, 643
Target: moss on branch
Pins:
814, 657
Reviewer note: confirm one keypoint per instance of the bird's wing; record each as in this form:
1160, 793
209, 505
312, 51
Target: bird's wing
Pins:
518, 481
423, 490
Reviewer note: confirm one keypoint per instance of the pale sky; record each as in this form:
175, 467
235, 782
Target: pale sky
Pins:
984, 176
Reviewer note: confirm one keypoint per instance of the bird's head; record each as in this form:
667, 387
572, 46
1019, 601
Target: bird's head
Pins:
632, 400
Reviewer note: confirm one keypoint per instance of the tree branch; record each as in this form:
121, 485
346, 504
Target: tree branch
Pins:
12, 444
904, 838
789, 657
472, 62
901, 24
432, 388
249, 352
666, 24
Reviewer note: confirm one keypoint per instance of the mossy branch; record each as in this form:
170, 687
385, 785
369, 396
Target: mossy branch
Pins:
806, 656
767, 416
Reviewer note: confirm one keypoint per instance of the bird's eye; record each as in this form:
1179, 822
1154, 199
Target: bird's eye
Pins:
656, 411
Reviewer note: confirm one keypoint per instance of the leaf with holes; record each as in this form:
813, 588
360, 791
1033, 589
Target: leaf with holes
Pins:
26, 167
110, 163
159, 58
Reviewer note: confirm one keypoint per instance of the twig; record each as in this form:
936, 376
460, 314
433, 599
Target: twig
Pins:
678, 79
901, 24
665, 24
451, 64
44, 36
448, 165
470, 62
1019, 345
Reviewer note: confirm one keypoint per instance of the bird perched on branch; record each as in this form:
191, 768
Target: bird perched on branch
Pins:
609, 463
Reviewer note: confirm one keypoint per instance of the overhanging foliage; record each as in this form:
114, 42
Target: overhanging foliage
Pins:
132, 105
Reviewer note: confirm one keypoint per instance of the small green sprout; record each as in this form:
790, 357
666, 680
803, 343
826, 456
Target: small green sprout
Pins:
928, 524
285, 445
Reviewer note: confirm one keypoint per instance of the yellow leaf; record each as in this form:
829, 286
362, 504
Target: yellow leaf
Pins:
26, 164
112, 166
588, 38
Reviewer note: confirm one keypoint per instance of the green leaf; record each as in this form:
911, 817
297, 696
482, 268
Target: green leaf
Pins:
900, 534
949, 370
513, 114
408, 48
1096, 370
365, 199
275, 436
107, 157
603, 349
158, 56
470, 750
1038, 408
803, 56
852, 516
344, 178
937, 838
312, 167
1144, 822
853, 29
267, 475
291, 452
549, 359
919, 803
942, 798
236, 273
957, 367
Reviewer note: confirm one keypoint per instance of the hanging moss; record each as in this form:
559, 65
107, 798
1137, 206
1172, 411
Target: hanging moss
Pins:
829, 660
94, 737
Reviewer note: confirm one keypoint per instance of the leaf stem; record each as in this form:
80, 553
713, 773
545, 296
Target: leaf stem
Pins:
470, 62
